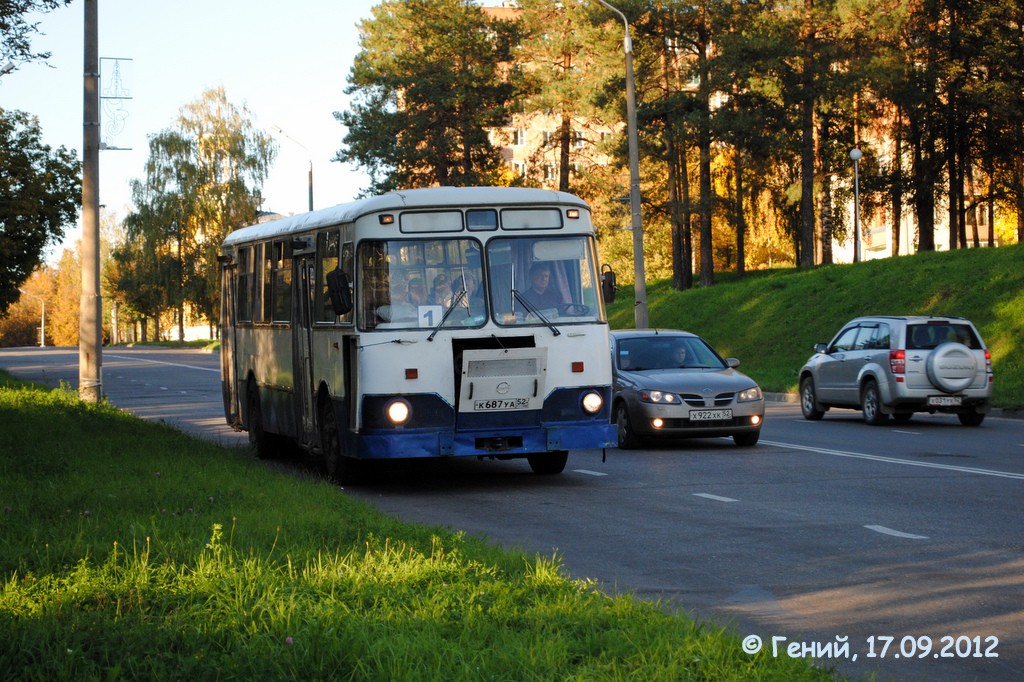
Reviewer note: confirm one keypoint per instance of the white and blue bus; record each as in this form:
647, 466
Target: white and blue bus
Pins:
424, 323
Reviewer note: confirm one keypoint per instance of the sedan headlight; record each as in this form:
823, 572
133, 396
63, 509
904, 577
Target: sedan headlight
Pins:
660, 397
749, 395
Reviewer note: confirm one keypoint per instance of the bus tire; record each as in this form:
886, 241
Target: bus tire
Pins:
336, 466
548, 462
259, 440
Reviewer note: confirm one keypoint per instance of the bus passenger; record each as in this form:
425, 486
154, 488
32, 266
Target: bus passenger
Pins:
417, 292
398, 309
441, 294
474, 297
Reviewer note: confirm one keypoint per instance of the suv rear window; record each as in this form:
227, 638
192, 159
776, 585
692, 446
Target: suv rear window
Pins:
928, 336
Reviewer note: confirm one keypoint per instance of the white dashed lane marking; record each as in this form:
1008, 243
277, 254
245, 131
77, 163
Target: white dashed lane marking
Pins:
717, 498
896, 533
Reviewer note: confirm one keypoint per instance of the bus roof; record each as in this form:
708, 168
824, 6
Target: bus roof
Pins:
430, 197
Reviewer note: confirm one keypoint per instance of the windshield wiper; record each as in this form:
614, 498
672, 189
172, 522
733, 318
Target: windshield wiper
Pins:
451, 307
531, 309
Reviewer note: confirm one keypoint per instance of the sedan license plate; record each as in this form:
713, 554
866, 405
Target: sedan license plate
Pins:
709, 415
944, 401
500, 404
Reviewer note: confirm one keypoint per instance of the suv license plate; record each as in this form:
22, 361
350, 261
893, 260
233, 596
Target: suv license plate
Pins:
709, 415
944, 401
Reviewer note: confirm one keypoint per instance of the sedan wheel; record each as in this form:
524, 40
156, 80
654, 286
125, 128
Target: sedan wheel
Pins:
627, 439
746, 440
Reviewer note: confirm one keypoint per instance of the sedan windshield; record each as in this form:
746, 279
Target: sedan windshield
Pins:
666, 352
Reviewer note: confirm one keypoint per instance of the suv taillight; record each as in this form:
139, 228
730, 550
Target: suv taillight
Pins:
988, 361
898, 361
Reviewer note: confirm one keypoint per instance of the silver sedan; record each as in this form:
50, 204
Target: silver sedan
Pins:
672, 384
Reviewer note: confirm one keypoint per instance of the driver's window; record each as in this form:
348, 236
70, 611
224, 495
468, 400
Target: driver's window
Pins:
844, 341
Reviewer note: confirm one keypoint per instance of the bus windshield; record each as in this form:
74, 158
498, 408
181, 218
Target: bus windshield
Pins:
415, 283
425, 284
543, 280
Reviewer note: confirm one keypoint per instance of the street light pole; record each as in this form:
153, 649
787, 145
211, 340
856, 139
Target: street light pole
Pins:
639, 277
856, 154
90, 327
42, 317
277, 129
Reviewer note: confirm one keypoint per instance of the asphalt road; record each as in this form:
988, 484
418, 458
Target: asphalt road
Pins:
904, 541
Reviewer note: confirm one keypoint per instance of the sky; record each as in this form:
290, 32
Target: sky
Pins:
287, 62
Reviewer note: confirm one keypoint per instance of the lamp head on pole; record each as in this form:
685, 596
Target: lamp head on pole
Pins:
855, 154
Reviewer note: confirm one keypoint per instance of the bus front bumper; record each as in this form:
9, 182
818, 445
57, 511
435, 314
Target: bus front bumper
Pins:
502, 443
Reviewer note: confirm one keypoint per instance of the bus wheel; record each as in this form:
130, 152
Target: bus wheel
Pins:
259, 440
549, 462
341, 469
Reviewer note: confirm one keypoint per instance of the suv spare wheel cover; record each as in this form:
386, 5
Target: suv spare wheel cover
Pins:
952, 367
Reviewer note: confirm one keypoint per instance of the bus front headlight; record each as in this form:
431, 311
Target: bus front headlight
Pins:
592, 402
398, 411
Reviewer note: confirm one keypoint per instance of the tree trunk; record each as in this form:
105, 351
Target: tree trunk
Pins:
741, 221
826, 220
686, 221
825, 237
924, 183
564, 142
807, 145
971, 206
897, 182
707, 263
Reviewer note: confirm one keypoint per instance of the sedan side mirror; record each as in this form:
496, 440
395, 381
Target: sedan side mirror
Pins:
821, 348
732, 362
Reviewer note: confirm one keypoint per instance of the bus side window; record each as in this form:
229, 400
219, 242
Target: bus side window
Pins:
346, 264
268, 283
335, 292
282, 275
245, 279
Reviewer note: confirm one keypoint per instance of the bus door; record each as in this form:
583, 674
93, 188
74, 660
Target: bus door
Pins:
228, 372
305, 265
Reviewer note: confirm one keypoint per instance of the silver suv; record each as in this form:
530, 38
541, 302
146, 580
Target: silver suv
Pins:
900, 365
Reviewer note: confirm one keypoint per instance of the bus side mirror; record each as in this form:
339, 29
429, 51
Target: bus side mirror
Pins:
608, 285
339, 291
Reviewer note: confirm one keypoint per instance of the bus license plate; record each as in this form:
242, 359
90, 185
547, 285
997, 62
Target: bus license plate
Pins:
709, 415
498, 405
945, 400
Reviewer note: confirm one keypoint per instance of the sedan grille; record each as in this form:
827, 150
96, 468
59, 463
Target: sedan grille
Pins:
720, 400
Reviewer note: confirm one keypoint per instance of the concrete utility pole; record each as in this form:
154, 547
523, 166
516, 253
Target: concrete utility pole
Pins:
639, 275
90, 327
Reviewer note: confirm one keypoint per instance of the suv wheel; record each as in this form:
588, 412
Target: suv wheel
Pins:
809, 400
871, 405
971, 418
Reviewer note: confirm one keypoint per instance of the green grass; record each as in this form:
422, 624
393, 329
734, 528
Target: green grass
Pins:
131, 551
772, 319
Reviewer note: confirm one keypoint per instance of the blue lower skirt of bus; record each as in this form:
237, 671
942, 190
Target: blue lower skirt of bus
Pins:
435, 429
408, 443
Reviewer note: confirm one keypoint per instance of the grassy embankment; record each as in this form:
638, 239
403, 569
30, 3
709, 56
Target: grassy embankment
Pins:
131, 551
772, 319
